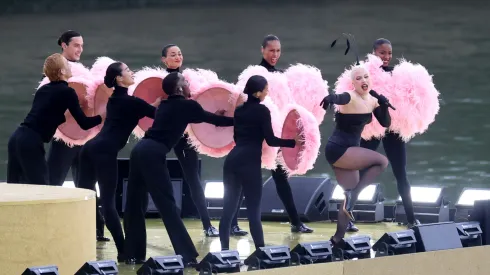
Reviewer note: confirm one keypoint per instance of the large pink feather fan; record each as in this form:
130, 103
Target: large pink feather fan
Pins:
198, 78
380, 82
278, 84
299, 121
415, 99
269, 154
83, 84
98, 71
147, 86
206, 138
308, 88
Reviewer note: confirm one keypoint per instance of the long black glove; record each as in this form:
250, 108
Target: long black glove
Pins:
338, 99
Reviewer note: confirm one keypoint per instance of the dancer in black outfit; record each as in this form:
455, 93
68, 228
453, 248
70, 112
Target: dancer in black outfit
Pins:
188, 158
242, 165
26, 162
393, 145
62, 157
271, 52
149, 172
98, 157
342, 150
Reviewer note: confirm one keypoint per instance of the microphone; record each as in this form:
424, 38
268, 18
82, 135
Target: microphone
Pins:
378, 96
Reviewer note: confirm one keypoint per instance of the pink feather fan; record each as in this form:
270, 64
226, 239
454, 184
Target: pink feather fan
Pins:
308, 88
147, 86
82, 82
206, 138
199, 78
381, 82
278, 84
415, 98
299, 121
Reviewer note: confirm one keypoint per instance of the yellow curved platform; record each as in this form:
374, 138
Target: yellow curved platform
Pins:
46, 225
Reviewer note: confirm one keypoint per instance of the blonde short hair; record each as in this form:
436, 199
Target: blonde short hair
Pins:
355, 69
53, 65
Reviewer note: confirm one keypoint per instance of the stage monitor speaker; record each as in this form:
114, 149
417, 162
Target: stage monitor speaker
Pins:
481, 214
311, 196
41, 270
437, 236
177, 187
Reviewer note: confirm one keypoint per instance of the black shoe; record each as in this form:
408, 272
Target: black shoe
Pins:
103, 239
237, 231
134, 261
192, 263
302, 228
351, 227
339, 244
211, 232
348, 205
412, 225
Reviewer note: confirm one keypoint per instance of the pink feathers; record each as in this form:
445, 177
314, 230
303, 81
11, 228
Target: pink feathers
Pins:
409, 88
299, 121
206, 138
415, 99
308, 88
269, 154
198, 78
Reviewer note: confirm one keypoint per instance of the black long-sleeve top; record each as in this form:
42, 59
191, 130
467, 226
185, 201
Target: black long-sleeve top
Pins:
381, 112
49, 106
123, 113
269, 67
174, 114
253, 125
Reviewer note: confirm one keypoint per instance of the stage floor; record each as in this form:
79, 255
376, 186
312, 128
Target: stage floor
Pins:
276, 233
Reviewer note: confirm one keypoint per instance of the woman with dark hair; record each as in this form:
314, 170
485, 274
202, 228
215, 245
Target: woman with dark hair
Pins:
98, 157
242, 167
188, 157
149, 172
26, 162
393, 144
343, 153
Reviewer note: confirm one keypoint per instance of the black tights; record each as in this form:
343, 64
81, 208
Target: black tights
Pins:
395, 151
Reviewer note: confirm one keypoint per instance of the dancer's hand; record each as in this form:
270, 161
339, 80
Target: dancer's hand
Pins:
220, 112
327, 102
157, 102
299, 140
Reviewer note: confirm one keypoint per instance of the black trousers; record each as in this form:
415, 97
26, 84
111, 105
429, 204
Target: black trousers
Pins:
241, 171
148, 172
189, 161
396, 153
26, 158
61, 158
98, 163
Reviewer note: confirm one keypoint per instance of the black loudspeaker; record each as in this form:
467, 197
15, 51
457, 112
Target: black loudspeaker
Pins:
162, 265
41, 270
269, 257
181, 191
311, 196
481, 214
220, 262
98, 268
437, 236
396, 243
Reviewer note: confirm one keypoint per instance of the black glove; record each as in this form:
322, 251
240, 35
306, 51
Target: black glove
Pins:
327, 102
382, 100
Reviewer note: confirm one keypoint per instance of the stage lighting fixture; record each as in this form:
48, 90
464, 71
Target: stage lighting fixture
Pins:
162, 265
98, 268
470, 233
396, 243
358, 246
369, 206
220, 262
429, 205
269, 257
466, 201
41, 270
214, 192
309, 253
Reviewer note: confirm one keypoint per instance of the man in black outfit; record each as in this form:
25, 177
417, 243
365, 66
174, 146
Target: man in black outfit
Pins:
149, 173
62, 157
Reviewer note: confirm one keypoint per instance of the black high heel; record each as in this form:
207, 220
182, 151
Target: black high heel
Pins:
348, 205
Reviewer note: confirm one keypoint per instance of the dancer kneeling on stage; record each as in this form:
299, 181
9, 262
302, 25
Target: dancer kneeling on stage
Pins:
342, 150
149, 173
26, 160
98, 158
242, 167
